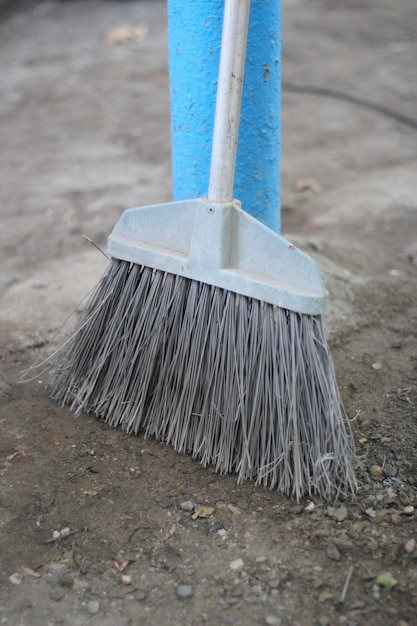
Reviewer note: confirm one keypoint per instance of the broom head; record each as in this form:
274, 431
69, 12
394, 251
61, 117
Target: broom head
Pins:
205, 332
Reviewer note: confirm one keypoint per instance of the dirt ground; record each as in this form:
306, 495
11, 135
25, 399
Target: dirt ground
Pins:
84, 134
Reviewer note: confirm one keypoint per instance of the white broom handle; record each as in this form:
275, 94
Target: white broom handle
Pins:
228, 99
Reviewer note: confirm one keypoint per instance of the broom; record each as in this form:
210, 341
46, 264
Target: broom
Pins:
205, 331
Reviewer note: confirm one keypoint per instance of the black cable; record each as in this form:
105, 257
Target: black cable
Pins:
348, 97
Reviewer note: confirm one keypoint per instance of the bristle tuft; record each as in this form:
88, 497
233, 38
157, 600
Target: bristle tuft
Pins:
241, 385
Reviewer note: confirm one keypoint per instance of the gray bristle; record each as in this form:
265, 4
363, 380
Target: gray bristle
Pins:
241, 385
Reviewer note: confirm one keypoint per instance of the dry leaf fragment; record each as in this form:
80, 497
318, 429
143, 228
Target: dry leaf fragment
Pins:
234, 509
90, 492
325, 596
120, 566
202, 511
10, 457
406, 390
307, 184
125, 34
410, 545
404, 393
29, 572
170, 533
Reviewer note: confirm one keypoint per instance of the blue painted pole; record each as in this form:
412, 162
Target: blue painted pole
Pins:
194, 34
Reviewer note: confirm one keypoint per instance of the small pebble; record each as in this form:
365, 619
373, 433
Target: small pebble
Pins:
376, 366
390, 496
408, 510
359, 604
272, 620
325, 596
404, 498
410, 546
185, 591
188, 506
56, 594
60, 498
324, 620
93, 607
237, 564
376, 471
389, 470
64, 532
237, 592
342, 544
337, 513
56, 534
242, 504
256, 590
164, 502
274, 583
16, 578
249, 599
332, 552
140, 595
376, 592
78, 584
